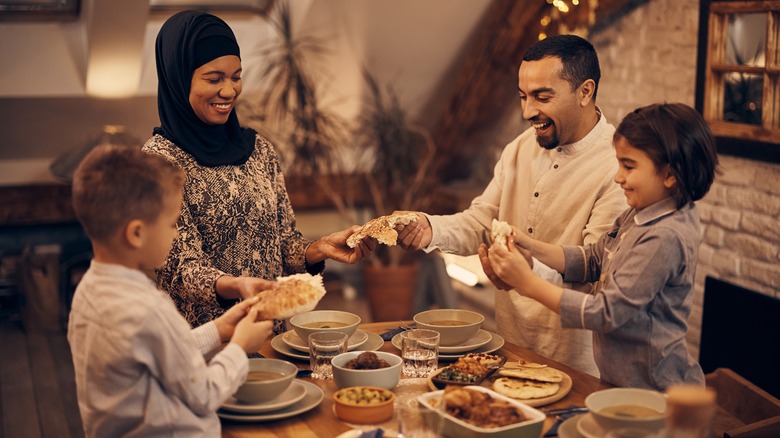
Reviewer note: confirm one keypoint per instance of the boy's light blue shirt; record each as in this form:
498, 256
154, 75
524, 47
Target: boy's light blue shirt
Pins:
639, 315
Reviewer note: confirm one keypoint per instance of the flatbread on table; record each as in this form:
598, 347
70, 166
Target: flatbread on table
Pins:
545, 374
290, 296
382, 229
524, 388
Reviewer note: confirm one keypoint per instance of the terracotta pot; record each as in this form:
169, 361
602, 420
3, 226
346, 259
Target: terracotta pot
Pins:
390, 291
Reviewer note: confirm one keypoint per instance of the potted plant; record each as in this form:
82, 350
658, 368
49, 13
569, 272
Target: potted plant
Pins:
401, 154
290, 114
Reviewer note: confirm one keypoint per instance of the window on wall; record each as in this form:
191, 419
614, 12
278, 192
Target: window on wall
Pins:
738, 78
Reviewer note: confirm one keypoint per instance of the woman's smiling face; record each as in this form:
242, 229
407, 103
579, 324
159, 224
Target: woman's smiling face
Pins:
214, 89
642, 183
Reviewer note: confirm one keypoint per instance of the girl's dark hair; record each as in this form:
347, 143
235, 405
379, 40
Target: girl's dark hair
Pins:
577, 55
676, 135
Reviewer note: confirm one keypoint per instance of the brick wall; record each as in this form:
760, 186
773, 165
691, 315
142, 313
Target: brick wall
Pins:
649, 56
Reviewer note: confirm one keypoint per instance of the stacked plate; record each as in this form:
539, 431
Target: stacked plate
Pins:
290, 344
482, 342
299, 397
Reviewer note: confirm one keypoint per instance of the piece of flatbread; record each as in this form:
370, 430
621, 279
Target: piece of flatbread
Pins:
499, 232
527, 364
523, 388
290, 296
382, 229
545, 374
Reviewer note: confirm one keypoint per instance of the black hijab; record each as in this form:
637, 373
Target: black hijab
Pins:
186, 41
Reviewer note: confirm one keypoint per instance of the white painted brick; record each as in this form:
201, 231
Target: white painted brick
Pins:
761, 225
749, 199
751, 247
725, 218
705, 210
726, 263
765, 273
706, 254
768, 178
713, 236
737, 171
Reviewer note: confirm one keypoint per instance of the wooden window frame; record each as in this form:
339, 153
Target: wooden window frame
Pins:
740, 139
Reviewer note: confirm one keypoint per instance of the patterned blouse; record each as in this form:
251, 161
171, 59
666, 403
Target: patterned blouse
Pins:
235, 220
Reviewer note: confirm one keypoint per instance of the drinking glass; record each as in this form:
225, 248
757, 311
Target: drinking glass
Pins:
420, 352
324, 346
417, 421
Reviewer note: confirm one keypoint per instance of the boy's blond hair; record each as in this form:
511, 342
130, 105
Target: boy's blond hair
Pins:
116, 184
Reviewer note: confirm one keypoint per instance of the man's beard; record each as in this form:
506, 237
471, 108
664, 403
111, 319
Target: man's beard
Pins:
550, 142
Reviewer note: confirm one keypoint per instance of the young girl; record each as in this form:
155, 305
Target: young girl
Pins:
644, 266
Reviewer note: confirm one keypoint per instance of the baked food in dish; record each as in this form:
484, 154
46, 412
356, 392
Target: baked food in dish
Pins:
290, 296
382, 229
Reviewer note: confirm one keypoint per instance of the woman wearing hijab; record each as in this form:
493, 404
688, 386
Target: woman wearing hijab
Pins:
237, 228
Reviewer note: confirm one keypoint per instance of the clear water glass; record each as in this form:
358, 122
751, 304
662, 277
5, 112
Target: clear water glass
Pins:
420, 352
324, 346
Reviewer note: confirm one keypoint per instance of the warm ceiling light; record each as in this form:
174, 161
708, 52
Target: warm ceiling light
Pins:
545, 20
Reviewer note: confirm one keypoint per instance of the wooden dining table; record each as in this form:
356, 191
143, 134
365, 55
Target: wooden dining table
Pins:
322, 422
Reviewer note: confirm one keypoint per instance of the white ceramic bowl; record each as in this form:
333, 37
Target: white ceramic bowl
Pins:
436, 319
261, 391
457, 428
307, 323
385, 378
645, 398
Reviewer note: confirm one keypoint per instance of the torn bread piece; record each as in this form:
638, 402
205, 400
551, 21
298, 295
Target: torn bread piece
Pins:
290, 296
500, 232
382, 229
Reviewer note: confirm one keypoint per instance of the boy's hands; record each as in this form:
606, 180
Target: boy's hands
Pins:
251, 334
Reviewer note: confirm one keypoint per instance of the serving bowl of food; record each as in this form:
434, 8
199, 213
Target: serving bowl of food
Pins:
627, 408
307, 323
363, 404
366, 368
455, 326
476, 411
266, 380
471, 369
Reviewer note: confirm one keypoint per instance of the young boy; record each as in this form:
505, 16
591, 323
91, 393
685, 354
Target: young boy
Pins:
645, 264
140, 369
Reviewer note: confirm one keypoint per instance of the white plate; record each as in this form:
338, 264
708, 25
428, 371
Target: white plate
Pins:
568, 429
293, 340
311, 400
479, 339
373, 343
496, 342
588, 427
293, 394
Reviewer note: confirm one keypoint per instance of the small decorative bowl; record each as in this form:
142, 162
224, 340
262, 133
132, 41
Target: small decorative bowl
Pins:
315, 321
364, 404
455, 326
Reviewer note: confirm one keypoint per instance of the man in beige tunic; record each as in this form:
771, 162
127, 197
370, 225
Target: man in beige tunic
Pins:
555, 181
